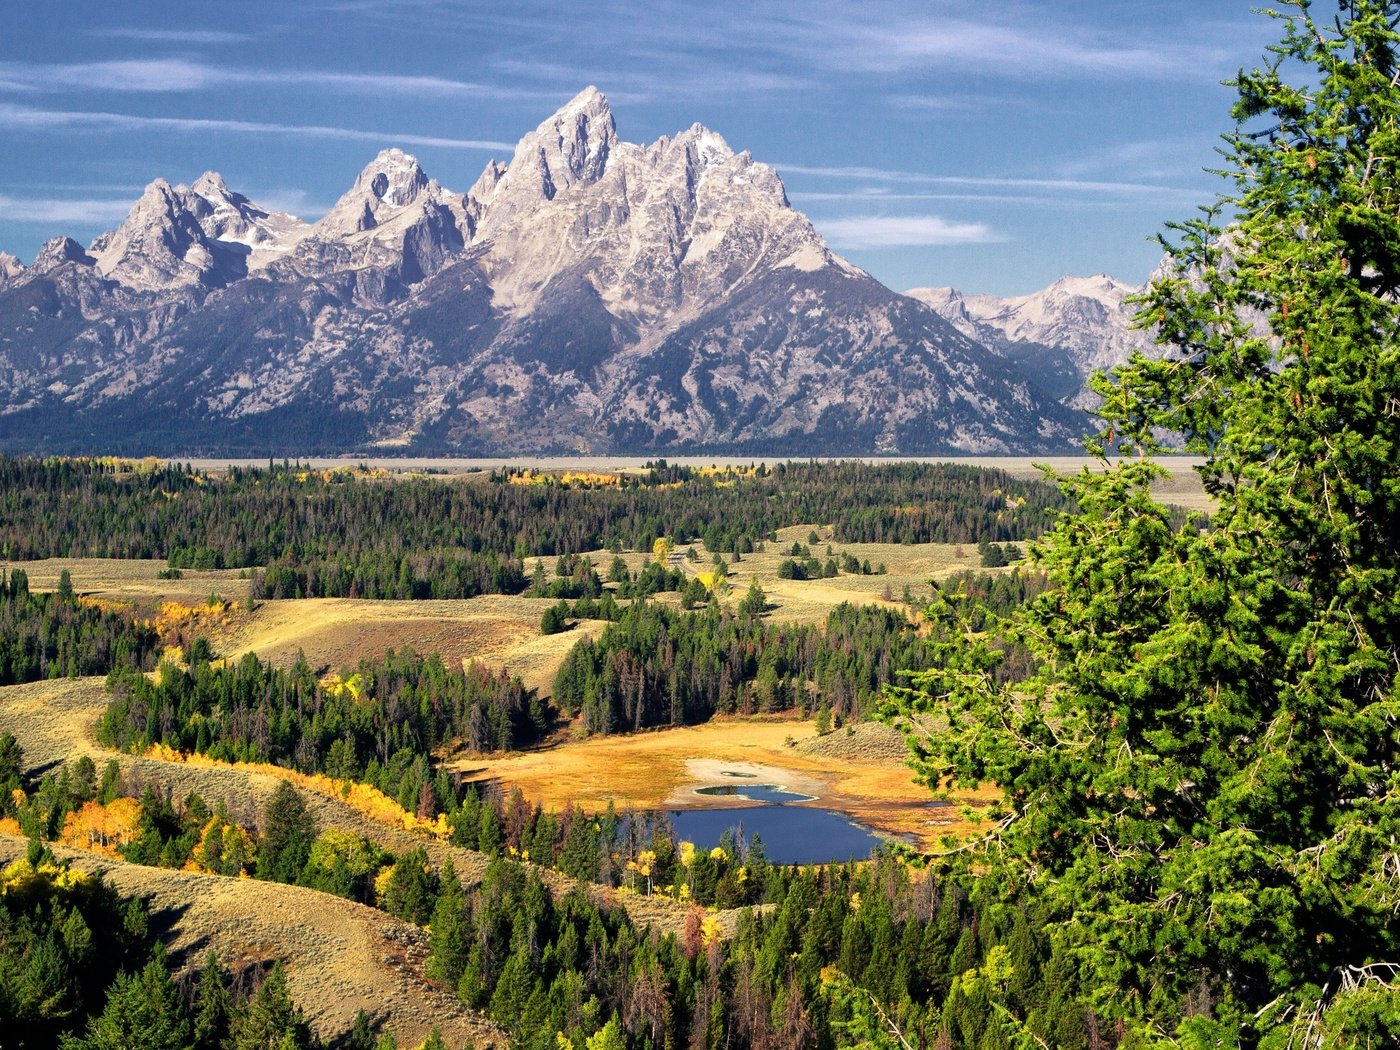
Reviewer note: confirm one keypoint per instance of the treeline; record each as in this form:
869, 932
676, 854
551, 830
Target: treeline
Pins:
840, 954
56, 635
331, 533
640, 852
655, 666
386, 575
378, 726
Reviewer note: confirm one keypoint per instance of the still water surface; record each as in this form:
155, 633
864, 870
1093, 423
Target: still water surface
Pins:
791, 834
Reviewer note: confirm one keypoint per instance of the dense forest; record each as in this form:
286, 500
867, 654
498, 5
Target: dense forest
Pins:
58, 635
548, 967
378, 725
338, 533
656, 666
843, 956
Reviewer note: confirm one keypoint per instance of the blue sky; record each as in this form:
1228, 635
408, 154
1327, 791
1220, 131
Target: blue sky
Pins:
990, 146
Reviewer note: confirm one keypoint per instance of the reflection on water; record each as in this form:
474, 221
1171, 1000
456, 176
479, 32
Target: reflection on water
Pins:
790, 834
761, 793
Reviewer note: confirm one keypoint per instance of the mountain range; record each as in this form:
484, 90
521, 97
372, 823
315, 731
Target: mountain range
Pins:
590, 295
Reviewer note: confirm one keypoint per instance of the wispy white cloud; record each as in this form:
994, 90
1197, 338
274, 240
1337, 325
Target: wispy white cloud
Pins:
942, 103
173, 36
1018, 41
912, 43
906, 231
55, 210
14, 117
1143, 158
179, 75
648, 77
991, 182
144, 75
859, 197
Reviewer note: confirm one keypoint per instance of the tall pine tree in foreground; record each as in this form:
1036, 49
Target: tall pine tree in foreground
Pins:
1201, 779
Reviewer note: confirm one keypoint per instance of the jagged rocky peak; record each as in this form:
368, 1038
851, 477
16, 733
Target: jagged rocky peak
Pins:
652, 230
391, 229
1061, 333
593, 294
575, 143
59, 250
487, 181
571, 147
394, 177
703, 148
211, 185
10, 267
1098, 299
391, 182
232, 219
160, 244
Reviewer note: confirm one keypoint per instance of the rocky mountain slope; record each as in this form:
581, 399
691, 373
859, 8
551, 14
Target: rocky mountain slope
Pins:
1058, 335
590, 295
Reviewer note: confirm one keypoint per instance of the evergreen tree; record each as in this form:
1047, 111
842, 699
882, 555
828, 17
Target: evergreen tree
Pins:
411, 890
555, 618
287, 835
143, 1010
11, 770
447, 935
270, 1020
361, 1034
754, 601
1202, 780
609, 1037
212, 1006
111, 782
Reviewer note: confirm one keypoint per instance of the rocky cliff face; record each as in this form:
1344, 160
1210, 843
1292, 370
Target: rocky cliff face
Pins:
1058, 335
590, 295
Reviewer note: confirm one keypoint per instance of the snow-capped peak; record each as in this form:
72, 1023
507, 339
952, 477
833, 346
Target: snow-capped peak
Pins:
234, 221
590, 102
710, 146
394, 177
201, 234
1100, 287
1085, 322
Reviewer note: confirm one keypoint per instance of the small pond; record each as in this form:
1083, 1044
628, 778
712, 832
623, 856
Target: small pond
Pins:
791, 834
